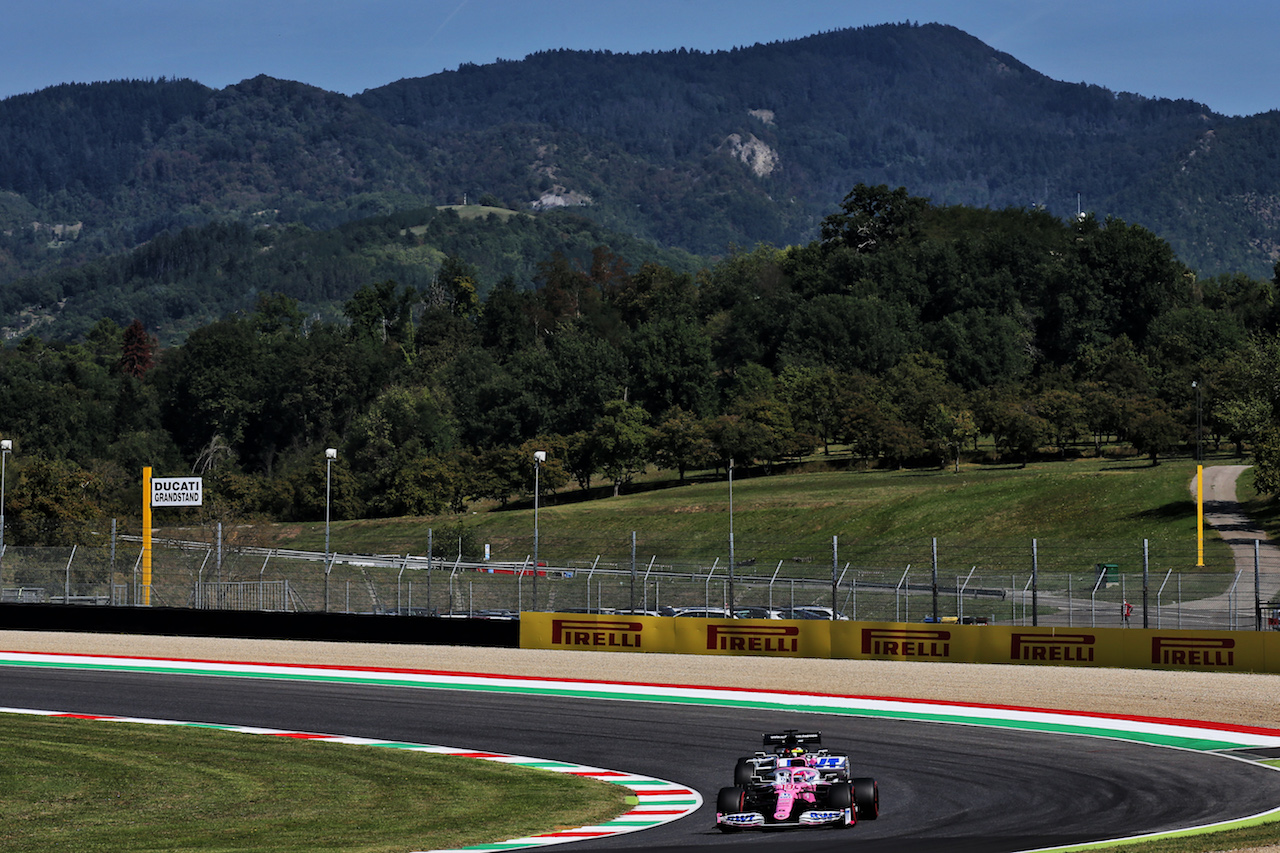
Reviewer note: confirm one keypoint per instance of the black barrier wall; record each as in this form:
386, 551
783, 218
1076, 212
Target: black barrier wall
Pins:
257, 625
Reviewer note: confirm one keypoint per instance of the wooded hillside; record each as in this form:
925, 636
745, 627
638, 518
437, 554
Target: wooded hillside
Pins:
904, 336
697, 151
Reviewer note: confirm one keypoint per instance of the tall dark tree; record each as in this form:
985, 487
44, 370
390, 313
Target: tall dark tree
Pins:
872, 219
139, 349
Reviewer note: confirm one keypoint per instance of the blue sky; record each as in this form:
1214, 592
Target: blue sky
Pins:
1223, 54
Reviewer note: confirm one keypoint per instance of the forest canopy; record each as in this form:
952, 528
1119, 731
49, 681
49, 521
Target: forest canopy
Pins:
901, 336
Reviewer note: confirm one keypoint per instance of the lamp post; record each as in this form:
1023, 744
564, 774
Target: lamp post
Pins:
1199, 429
1199, 484
539, 456
5, 447
330, 454
730, 602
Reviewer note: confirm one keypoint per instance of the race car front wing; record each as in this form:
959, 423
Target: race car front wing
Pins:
813, 817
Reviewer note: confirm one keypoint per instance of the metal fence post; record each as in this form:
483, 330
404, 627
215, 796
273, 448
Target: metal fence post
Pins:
935, 579
1070, 603
1146, 580
1035, 583
835, 568
1257, 591
66, 591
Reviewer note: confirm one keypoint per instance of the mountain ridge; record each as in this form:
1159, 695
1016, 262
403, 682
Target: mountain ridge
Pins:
666, 146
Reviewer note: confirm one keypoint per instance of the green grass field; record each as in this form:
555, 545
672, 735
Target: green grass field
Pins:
1086, 511
93, 786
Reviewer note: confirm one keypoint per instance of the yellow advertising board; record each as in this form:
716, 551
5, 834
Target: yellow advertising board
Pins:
806, 638
1134, 648
596, 632
1198, 651
904, 641
1050, 646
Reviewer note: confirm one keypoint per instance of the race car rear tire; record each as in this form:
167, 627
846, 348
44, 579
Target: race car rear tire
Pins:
731, 801
866, 796
742, 772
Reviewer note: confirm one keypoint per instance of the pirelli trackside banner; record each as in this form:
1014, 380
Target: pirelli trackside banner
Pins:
1135, 648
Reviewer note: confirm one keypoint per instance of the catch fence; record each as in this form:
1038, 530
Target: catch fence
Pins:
1140, 584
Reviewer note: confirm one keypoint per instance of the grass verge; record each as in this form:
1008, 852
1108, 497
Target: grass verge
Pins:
1093, 508
99, 786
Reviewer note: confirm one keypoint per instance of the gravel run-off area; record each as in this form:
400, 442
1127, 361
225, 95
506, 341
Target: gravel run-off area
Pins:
1217, 697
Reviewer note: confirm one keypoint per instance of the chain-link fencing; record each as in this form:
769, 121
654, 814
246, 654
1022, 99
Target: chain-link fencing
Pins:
1138, 584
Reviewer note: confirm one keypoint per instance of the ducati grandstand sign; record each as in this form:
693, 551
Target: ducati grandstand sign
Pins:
177, 491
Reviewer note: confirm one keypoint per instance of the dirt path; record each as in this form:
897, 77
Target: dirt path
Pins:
1247, 540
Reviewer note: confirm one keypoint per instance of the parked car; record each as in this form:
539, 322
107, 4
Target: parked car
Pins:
814, 611
703, 612
755, 612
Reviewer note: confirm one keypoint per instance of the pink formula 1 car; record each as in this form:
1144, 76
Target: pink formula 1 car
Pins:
797, 783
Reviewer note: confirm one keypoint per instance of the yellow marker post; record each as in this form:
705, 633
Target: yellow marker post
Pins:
1200, 516
146, 536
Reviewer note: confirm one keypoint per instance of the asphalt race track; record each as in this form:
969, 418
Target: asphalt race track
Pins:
943, 787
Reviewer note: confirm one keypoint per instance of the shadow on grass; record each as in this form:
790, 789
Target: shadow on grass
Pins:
1131, 466
1172, 511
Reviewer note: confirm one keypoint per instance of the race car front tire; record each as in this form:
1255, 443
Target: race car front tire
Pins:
866, 796
731, 801
742, 772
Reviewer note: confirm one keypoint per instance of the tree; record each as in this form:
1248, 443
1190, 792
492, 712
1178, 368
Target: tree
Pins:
1151, 429
501, 473
52, 503
873, 218
1249, 404
562, 383
456, 287
680, 441
847, 333
622, 440
656, 291
1009, 417
382, 312
580, 459
138, 351
949, 430
757, 429
553, 474
390, 445
669, 364
917, 385
425, 485
1064, 412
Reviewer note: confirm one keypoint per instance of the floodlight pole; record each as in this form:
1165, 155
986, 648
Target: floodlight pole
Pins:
330, 454
539, 456
731, 557
6, 447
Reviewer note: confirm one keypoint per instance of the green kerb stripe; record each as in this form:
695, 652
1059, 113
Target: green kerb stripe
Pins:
621, 694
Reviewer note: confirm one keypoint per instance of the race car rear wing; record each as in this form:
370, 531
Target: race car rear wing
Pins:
791, 737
